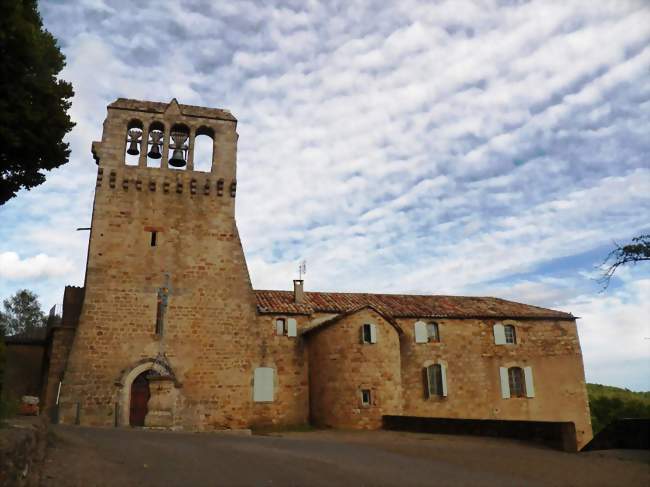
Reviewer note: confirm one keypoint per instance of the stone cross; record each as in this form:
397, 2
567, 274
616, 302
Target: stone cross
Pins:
163, 300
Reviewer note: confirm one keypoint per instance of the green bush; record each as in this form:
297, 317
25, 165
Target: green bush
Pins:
609, 403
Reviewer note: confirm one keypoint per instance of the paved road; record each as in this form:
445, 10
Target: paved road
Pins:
116, 457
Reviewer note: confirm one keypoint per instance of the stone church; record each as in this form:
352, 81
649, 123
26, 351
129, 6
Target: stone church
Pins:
168, 331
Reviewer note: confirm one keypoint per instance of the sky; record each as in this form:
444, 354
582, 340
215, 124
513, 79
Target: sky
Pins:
491, 148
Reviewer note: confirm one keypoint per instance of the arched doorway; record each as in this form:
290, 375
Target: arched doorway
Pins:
139, 398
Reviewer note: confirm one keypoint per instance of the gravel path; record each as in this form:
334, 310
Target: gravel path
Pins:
123, 457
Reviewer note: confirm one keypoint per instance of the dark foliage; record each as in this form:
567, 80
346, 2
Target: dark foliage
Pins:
34, 103
22, 314
609, 403
636, 251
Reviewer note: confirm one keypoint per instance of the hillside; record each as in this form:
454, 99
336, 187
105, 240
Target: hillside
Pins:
608, 403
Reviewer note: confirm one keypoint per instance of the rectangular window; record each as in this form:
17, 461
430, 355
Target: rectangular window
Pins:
154, 234
434, 380
432, 332
509, 332
516, 382
366, 398
366, 333
279, 326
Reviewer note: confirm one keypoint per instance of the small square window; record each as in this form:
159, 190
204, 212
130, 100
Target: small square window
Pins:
366, 398
280, 326
432, 332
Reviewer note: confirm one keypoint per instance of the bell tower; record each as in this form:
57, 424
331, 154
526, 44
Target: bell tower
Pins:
167, 292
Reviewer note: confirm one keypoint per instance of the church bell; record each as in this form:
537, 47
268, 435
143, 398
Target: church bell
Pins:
154, 152
134, 137
178, 156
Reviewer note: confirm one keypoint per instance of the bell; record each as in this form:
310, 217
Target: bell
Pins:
154, 152
134, 136
179, 138
177, 158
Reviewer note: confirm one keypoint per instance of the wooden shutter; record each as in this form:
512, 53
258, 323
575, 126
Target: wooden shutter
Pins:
263, 384
505, 384
427, 383
530, 386
421, 332
361, 337
499, 334
373, 333
292, 327
443, 376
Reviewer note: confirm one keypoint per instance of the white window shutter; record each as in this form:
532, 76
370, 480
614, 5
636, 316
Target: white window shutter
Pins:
361, 337
373, 333
292, 327
443, 374
421, 332
499, 334
263, 384
530, 386
505, 383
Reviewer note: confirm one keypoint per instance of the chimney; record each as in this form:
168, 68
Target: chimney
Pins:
298, 291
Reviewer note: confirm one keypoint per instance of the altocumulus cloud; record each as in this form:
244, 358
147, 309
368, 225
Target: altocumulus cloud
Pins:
412, 146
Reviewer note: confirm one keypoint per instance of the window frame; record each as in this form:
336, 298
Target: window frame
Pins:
367, 338
517, 382
510, 334
284, 326
435, 381
436, 337
364, 403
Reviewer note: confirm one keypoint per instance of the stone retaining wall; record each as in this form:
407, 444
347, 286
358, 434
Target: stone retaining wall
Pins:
22, 451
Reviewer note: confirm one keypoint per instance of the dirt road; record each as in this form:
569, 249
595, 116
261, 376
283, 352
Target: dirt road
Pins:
115, 457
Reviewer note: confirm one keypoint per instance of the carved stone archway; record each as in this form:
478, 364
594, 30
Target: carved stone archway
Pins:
160, 368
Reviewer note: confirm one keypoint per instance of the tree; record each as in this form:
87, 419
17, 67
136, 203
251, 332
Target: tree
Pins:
636, 251
34, 103
22, 313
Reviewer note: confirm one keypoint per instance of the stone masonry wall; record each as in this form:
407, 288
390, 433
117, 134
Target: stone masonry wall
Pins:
288, 356
210, 339
551, 348
340, 367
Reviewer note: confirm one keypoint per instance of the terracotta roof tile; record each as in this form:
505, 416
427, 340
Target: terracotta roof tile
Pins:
403, 305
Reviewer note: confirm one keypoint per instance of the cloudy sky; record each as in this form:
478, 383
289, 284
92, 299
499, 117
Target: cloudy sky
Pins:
477, 148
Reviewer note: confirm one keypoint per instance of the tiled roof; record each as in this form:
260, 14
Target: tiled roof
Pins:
403, 305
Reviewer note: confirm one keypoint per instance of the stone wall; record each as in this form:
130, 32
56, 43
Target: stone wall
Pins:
22, 451
210, 338
340, 367
551, 348
24, 362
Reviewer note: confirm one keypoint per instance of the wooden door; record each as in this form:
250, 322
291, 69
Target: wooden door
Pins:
139, 399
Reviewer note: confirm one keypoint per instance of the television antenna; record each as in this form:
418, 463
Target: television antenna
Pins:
302, 269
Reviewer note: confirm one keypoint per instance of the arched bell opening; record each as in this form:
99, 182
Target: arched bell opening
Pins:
139, 399
203, 149
155, 144
133, 143
179, 144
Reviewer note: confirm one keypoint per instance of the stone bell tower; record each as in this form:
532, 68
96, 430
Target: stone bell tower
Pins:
166, 335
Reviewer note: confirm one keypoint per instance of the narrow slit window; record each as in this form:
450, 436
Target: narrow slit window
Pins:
366, 397
154, 235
